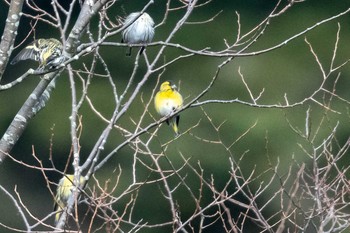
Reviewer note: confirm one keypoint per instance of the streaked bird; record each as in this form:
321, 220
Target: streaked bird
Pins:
48, 52
167, 101
63, 193
139, 31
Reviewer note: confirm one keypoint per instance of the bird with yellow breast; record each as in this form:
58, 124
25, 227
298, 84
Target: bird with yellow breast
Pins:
63, 193
167, 101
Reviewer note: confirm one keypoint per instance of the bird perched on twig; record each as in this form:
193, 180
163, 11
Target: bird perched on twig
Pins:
48, 52
139, 31
63, 193
167, 101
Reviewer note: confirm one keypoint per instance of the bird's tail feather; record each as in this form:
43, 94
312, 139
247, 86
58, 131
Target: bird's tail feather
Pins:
174, 124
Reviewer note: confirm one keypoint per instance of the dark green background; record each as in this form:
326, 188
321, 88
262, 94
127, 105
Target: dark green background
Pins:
291, 69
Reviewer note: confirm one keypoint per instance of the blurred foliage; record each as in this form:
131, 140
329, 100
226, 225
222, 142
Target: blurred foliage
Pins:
291, 69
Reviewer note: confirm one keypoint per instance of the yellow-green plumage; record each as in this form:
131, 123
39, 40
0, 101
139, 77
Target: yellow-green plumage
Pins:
63, 193
167, 101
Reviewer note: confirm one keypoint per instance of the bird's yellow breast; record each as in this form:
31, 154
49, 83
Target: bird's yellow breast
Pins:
167, 102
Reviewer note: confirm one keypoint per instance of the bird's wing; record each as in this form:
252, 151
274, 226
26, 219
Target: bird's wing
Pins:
29, 52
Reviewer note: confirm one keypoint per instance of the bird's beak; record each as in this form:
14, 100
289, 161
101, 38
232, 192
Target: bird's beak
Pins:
174, 86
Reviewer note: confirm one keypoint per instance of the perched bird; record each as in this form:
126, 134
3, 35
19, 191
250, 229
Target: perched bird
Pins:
48, 52
63, 193
140, 31
167, 101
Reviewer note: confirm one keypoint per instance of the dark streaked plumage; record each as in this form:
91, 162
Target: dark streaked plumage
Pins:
48, 52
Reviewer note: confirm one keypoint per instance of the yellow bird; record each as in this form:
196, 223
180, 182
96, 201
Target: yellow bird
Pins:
167, 101
63, 193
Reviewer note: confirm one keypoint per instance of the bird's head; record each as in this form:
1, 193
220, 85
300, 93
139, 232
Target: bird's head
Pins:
167, 85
